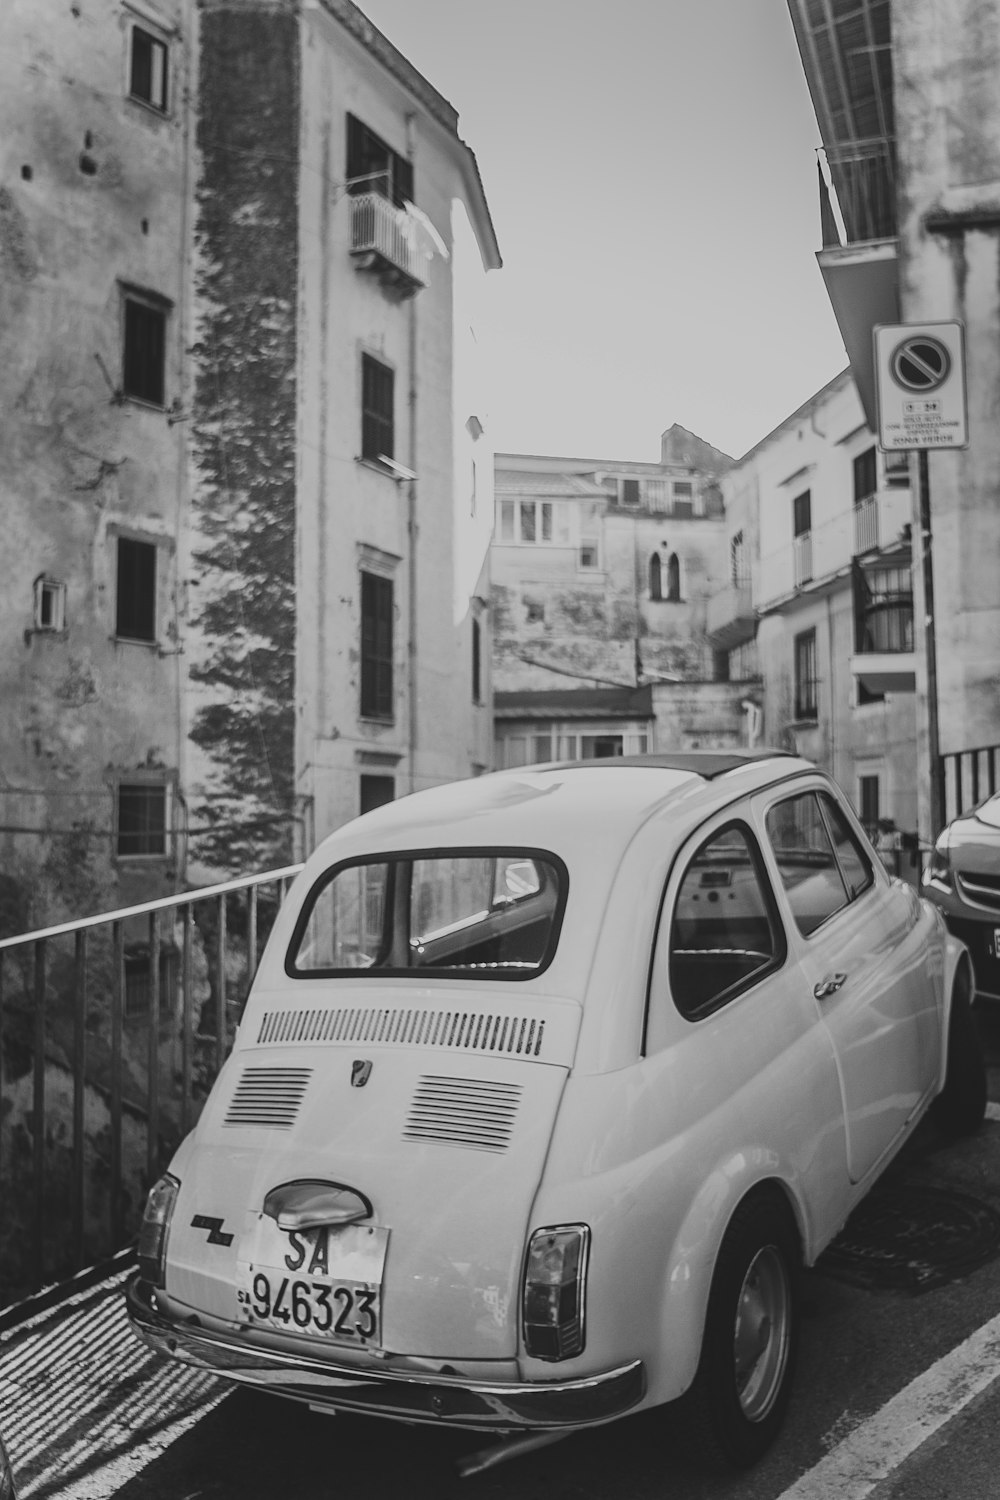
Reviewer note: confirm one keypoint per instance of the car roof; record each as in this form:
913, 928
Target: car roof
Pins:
569, 807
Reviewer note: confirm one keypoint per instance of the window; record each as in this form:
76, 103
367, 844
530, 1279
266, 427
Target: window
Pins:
655, 584
588, 554
141, 819
49, 604
897, 470
376, 791
373, 167
630, 493
805, 675
724, 934
376, 646
683, 499
868, 799
821, 864
673, 578
135, 610
139, 980
884, 609
737, 560
802, 514
144, 354
477, 662
376, 409
865, 474
531, 522
479, 914
148, 69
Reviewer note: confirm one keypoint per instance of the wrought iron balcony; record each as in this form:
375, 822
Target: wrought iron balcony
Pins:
877, 524
384, 242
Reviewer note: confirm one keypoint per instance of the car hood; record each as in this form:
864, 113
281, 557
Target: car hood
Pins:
974, 843
438, 1112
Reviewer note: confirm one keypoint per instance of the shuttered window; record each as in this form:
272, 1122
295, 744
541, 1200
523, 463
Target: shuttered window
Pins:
377, 383
376, 646
135, 601
145, 351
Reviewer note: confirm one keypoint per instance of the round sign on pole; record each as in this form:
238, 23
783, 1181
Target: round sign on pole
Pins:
920, 385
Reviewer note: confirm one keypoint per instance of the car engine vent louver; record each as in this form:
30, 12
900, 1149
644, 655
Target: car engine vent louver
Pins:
475, 1030
470, 1112
268, 1097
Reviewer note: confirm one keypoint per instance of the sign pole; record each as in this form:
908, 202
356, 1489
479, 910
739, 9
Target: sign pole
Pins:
930, 645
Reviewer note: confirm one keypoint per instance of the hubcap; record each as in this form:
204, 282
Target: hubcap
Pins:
760, 1336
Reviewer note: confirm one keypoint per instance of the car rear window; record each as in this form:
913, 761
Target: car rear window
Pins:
451, 913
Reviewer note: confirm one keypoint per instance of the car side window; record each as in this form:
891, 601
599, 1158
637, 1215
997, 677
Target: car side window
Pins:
821, 864
724, 932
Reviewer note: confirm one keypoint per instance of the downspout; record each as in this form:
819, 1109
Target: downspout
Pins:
411, 520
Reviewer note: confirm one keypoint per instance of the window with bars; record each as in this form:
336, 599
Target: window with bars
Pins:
148, 69
141, 819
145, 348
373, 167
806, 706
135, 592
377, 433
376, 646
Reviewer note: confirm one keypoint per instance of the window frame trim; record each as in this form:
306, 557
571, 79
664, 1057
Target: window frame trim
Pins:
165, 781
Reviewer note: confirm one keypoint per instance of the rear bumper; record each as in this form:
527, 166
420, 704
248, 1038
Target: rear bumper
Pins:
409, 1396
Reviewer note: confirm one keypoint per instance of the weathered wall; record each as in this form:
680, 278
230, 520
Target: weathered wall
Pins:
244, 436
92, 193
946, 61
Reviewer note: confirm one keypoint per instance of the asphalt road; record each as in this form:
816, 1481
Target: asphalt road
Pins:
900, 1298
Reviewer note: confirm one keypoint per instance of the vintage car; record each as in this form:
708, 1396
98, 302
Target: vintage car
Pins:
963, 879
548, 1084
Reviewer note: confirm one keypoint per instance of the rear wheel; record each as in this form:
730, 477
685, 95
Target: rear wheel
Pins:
744, 1378
960, 1107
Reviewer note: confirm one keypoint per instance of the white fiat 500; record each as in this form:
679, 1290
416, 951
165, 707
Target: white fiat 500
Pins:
547, 1085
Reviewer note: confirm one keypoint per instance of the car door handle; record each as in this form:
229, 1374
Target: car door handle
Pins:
828, 986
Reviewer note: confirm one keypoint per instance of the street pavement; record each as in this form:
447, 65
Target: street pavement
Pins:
897, 1393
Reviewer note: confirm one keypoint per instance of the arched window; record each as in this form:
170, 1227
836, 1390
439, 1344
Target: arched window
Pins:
655, 578
673, 577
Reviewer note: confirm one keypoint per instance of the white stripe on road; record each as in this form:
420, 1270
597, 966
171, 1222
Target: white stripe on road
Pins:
879, 1445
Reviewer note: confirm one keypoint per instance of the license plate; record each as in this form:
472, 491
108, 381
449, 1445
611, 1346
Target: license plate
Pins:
325, 1283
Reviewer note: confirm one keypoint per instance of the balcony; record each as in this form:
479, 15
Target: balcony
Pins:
730, 620
884, 660
384, 243
816, 559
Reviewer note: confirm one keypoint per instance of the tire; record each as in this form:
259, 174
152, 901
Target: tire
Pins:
960, 1108
751, 1332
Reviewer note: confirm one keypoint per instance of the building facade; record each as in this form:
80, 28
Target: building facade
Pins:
601, 575
909, 114
820, 541
244, 461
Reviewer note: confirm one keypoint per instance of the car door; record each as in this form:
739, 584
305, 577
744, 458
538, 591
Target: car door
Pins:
860, 950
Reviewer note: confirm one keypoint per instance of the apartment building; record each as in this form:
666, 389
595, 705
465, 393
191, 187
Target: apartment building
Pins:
821, 592
601, 574
906, 98
244, 460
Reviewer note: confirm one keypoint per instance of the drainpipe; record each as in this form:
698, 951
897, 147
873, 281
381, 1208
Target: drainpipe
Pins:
411, 519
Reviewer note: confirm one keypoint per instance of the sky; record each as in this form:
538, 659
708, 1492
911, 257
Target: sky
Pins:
650, 169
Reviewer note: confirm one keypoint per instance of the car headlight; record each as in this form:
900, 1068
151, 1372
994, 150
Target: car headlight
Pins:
555, 1292
155, 1229
939, 869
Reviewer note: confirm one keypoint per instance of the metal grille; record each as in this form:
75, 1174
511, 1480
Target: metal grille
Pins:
268, 1097
468, 1112
474, 1030
980, 890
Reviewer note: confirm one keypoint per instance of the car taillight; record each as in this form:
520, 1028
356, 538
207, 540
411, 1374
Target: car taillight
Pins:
940, 866
155, 1228
554, 1294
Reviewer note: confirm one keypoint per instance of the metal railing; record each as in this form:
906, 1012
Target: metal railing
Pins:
967, 777
112, 1030
831, 546
378, 227
864, 181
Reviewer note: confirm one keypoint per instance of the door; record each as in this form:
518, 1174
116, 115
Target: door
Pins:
862, 953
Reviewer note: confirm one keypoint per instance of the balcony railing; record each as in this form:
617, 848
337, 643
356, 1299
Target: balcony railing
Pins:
384, 240
863, 174
878, 523
966, 778
729, 619
112, 1030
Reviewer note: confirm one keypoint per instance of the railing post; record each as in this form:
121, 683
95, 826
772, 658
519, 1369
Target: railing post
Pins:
153, 1055
220, 987
117, 1011
187, 1021
38, 1107
79, 1093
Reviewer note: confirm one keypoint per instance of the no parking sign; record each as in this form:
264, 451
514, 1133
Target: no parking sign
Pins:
920, 385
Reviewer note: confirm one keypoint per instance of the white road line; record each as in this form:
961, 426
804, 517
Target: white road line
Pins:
877, 1447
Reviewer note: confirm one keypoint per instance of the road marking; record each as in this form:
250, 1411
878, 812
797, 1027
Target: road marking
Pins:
877, 1447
